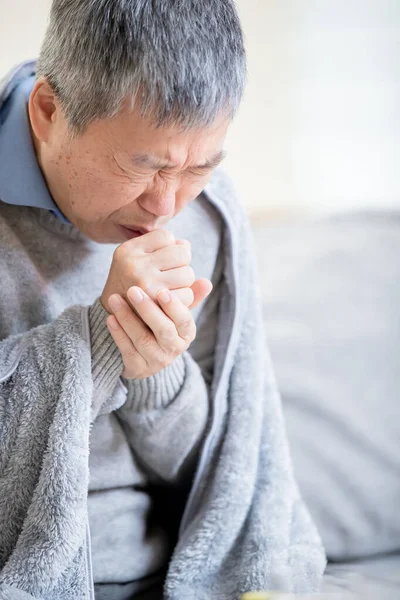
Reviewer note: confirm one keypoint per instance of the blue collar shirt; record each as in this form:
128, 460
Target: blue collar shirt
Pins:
21, 179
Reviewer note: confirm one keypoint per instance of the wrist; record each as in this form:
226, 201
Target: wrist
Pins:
158, 390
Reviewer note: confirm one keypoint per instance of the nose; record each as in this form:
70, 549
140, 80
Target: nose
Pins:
160, 202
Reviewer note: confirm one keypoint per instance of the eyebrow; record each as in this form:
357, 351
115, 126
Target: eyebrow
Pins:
149, 161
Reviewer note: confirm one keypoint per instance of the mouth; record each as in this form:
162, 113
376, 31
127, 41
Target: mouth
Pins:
132, 232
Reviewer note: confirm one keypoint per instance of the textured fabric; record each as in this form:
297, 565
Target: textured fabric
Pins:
173, 405
127, 544
331, 294
244, 525
107, 362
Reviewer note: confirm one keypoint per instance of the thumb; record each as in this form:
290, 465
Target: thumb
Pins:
201, 289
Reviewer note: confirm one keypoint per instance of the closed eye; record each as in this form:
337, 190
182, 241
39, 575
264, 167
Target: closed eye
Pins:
200, 171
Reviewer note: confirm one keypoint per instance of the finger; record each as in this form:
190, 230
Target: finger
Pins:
130, 322
153, 241
131, 357
163, 328
136, 327
171, 257
183, 243
201, 289
183, 277
178, 313
185, 295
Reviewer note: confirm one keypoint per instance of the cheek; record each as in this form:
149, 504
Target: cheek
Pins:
87, 188
96, 194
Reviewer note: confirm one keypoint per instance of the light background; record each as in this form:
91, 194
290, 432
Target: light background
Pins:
319, 129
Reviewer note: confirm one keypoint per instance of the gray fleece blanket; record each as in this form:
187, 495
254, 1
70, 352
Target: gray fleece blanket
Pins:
244, 526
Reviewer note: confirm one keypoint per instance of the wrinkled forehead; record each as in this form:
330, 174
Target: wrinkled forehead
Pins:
168, 147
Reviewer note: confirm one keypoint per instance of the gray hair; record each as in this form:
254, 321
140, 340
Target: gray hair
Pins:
176, 61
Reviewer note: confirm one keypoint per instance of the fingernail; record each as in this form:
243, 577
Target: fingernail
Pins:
135, 294
114, 302
164, 296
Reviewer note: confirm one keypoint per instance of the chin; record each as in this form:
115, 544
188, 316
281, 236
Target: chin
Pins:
100, 238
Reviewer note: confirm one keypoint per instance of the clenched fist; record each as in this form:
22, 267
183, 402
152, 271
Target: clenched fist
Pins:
148, 292
152, 262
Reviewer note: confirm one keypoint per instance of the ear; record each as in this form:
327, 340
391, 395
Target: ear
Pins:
44, 109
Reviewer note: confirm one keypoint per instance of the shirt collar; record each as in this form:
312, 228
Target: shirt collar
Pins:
21, 179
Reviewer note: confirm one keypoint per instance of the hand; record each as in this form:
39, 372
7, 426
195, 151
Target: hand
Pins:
152, 262
150, 340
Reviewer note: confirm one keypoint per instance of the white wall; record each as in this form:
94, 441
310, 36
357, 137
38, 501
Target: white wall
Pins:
319, 127
22, 24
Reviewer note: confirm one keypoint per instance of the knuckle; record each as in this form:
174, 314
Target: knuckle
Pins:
167, 331
186, 253
161, 361
129, 357
145, 340
166, 237
187, 330
123, 319
125, 316
124, 259
119, 253
191, 275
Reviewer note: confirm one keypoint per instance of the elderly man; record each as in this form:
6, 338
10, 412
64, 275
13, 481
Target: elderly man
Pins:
187, 491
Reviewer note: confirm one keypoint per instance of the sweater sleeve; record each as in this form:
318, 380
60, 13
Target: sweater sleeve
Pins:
165, 418
107, 364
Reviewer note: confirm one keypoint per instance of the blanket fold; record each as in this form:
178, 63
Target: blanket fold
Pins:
252, 530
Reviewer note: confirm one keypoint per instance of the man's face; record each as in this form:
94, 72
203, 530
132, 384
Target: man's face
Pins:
122, 176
